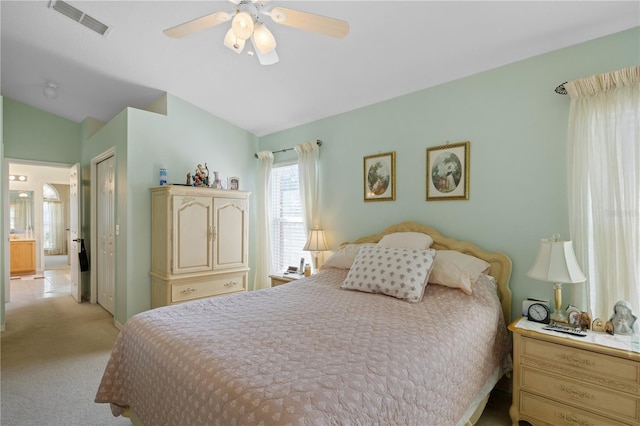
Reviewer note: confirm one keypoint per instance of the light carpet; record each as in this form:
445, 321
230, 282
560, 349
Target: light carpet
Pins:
54, 352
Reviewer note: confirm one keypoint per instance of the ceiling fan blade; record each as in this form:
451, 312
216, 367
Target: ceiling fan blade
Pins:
269, 58
198, 24
310, 22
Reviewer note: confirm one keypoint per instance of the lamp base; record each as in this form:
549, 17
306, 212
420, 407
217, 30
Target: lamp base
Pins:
558, 314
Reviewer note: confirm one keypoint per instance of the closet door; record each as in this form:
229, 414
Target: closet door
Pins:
104, 259
192, 234
230, 233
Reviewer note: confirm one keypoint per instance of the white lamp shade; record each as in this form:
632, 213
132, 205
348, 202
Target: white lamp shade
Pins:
557, 263
242, 25
232, 42
263, 39
316, 241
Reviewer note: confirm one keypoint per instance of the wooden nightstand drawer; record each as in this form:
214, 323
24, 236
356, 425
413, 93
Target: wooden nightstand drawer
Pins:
551, 413
559, 380
615, 373
581, 395
279, 279
211, 286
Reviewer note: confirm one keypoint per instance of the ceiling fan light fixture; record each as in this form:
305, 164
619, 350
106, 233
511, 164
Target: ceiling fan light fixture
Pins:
232, 42
278, 15
263, 38
242, 25
223, 16
268, 58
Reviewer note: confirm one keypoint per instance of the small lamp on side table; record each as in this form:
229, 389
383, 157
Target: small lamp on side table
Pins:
557, 263
316, 243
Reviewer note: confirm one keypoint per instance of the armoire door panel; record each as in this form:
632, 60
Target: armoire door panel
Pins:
193, 234
230, 233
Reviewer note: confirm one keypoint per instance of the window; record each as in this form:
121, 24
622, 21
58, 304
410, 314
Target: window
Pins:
53, 221
288, 234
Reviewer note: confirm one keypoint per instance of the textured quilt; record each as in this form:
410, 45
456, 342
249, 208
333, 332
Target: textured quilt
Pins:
308, 353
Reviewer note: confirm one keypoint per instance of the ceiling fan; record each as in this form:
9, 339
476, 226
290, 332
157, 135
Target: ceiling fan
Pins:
246, 24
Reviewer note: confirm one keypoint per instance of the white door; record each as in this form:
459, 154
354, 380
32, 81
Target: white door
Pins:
105, 230
74, 231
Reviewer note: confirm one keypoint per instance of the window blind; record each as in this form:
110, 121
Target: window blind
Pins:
288, 235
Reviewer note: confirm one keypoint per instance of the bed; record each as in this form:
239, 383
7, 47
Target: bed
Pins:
314, 353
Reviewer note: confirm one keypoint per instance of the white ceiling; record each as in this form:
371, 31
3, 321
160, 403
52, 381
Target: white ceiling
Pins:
393, 48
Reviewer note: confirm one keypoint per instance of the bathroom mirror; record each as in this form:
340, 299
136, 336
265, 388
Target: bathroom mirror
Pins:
21, 212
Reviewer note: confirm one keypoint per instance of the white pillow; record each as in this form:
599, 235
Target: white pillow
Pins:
398, 272
410, 240
457, 270
344, 257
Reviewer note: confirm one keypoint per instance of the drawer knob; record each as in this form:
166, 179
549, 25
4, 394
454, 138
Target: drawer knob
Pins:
188, 290
572, 419
230, 284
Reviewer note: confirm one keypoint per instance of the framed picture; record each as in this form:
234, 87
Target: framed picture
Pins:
233, 182
380, 177
448, 172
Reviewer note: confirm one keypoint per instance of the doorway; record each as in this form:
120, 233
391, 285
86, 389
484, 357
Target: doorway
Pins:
49, 277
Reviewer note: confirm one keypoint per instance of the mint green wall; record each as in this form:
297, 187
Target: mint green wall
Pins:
112, 136
185, 137
142, 141
517, 128
33, 134
514, 120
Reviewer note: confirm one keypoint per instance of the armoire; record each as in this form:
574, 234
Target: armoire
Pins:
199, 243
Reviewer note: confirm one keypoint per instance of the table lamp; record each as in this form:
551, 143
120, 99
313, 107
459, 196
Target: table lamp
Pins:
316, 243
557, 263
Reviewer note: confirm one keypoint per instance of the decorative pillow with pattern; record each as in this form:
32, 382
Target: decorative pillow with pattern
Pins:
397, 272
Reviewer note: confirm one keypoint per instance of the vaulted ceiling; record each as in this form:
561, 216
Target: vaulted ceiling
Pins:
393, 48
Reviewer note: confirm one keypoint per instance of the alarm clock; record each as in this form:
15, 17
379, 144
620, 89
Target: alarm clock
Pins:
539, 313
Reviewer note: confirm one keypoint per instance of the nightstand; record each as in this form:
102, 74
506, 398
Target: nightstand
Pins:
279, 279
561, 380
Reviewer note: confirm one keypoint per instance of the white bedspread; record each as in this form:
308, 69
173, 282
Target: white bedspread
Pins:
308, 353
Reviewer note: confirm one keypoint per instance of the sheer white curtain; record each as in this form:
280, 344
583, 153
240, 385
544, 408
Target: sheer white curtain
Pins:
604, 188
308, 153
54, 230
263, 259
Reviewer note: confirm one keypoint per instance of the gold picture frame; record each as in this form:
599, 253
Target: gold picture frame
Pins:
380, 177
448, 172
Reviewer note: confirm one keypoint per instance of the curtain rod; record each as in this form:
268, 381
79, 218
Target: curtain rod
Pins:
318, 141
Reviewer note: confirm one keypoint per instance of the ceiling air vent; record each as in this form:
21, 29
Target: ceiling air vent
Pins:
79, 16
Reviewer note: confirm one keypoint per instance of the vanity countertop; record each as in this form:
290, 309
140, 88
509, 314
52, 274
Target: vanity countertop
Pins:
13, 237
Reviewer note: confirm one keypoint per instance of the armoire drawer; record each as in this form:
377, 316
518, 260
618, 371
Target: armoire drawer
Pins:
208, 287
